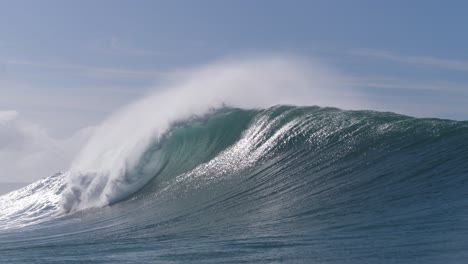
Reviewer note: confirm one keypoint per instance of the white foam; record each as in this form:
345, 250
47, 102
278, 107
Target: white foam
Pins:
32, 204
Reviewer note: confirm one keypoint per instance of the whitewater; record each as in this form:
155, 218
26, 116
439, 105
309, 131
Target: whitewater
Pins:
246, 161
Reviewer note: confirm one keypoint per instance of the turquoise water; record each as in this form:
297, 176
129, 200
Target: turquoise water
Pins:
284, 184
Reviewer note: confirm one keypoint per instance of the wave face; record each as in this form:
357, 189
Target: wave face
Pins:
282, 184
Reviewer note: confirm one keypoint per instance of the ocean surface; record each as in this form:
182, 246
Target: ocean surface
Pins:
279, 185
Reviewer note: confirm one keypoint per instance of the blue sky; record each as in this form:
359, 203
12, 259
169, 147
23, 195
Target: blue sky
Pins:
65, 65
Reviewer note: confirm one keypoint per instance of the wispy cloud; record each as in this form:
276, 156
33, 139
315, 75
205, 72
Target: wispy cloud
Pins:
94, 70
398, 83
421, 60
421, 98
117, 46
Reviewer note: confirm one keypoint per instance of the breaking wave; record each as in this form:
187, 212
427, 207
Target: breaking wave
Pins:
224, 177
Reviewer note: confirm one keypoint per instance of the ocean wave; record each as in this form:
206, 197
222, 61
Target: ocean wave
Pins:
285, 180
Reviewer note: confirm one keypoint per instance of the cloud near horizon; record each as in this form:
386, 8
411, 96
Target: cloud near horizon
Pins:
8, 115
28, 152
